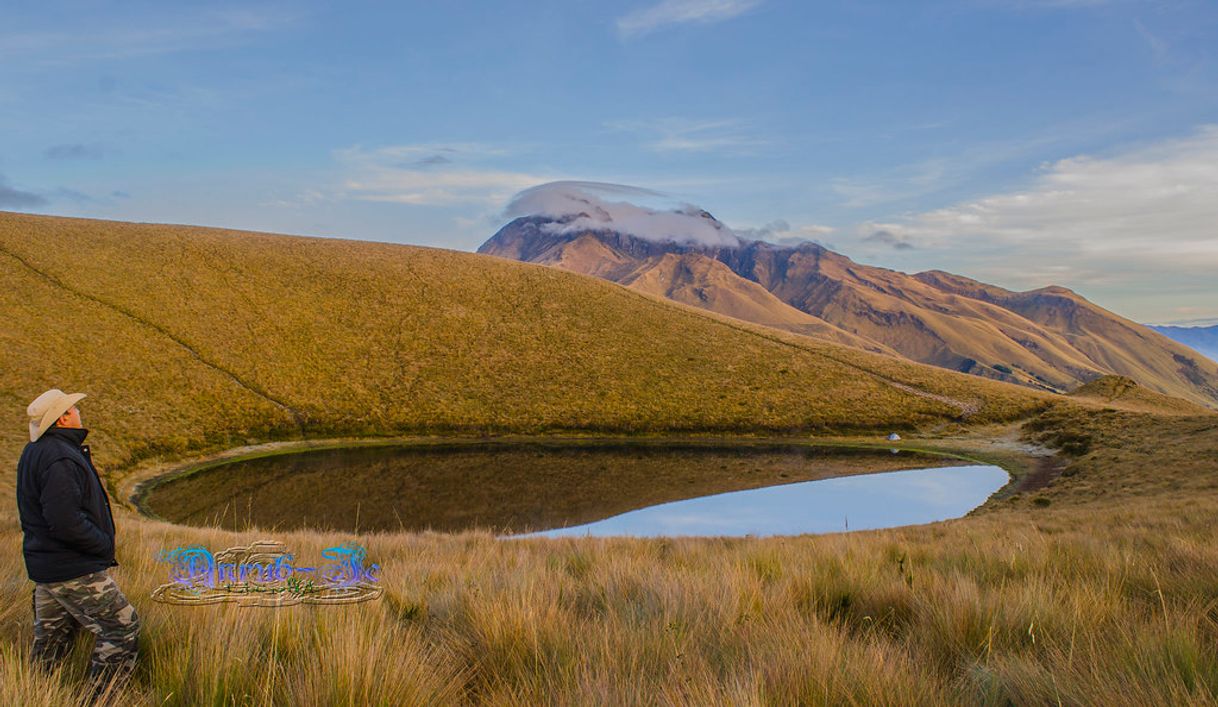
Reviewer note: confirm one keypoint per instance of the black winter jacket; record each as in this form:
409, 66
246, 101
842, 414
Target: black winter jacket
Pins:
65, 512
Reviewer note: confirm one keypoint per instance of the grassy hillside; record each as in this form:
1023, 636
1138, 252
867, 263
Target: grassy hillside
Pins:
1124, 393
1097, 589
191, 338
694, 280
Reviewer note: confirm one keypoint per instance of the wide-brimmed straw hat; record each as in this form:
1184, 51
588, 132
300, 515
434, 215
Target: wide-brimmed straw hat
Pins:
47, 408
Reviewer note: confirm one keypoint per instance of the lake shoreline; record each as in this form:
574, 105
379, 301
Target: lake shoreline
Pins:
1028, 466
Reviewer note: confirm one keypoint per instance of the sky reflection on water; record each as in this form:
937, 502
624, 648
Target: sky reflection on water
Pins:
863, 502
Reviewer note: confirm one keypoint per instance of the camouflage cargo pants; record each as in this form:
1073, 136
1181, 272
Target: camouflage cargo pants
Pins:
94, 602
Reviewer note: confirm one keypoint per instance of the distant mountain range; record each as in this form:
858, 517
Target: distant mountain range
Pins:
1051, 338
1203, 339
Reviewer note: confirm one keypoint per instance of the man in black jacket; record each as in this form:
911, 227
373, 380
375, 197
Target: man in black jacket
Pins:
69, 544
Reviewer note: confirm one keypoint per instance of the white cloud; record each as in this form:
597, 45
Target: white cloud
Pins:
1092, 217
412, 174
781, 232
940, 172
899, 183
647, 214
431, 189
422, 152
676, 12
301, 199
591, 206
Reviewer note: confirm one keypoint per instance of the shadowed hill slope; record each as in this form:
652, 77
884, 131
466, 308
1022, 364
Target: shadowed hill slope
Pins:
189, 338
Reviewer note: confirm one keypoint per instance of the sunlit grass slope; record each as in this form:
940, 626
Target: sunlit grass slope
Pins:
188, 338
1098, 589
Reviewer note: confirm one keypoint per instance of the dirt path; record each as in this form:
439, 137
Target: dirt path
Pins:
1047, 469
967, 409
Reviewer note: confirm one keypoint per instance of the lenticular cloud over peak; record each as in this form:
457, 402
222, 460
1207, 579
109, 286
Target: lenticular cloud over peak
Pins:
597, 206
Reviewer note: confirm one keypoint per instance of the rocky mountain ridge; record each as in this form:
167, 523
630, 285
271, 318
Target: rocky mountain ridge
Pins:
1049, 338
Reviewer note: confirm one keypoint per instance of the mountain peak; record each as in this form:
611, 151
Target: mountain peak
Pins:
564, 208
1049, 338
1056, 290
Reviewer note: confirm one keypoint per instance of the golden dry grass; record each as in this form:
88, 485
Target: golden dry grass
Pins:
1099, 589
190, 339
1124, 393
1112, 604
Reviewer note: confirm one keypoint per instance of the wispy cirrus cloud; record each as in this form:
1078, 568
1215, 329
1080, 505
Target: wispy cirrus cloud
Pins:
898, 183
903, 185
678, 12
429, 174
466, 186
677, 135
161, 31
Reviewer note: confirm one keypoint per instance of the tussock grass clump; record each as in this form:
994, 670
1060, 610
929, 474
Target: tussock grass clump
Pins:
1118, 454
985, 610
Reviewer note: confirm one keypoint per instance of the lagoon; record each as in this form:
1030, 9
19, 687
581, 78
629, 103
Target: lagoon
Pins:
586, 487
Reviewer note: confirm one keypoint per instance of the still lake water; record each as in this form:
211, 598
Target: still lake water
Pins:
554, 487
864, 502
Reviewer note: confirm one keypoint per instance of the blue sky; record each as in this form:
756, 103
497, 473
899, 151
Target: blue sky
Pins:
1021, 142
